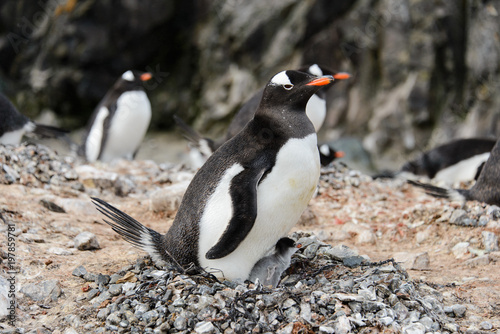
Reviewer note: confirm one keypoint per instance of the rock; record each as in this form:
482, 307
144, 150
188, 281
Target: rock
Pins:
486, 325
490, 241
92, 177
418, 261
460, 250
169, 198
365, 236
86, 241
102, 279
482, 260
41, 292
458, 216
115, 289
80, 207
415, 328
31, 237
4, 300
79, 271
59, 251
204, 327
338, 252
342, 325
124, 186
51, 206
459, 310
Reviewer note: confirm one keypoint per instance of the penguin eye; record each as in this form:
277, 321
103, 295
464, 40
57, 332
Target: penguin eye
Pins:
288, 86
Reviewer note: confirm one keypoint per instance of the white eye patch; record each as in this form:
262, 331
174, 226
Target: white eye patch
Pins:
281, 79
315, 70
129, 76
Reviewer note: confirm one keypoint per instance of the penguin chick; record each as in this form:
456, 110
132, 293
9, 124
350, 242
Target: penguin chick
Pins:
119, 122
268, 270
248, 194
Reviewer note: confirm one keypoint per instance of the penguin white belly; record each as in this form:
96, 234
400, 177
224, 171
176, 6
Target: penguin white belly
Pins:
316, 111
463, 171
14, 137
128, 126
281, 198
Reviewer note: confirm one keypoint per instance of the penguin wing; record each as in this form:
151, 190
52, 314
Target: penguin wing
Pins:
243, 192
93, 141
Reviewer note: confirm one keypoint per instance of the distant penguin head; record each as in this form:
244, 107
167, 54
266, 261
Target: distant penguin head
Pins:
132, 79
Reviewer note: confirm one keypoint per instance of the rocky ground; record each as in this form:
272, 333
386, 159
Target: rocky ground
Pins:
376, 257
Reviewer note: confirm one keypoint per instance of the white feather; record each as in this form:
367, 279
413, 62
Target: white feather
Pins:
463, 171
129, 76
94, 139
315, 70
316, 111
14, 137
281, 79
281, 198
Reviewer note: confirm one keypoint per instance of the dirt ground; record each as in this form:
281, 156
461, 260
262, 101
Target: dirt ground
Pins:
376, 218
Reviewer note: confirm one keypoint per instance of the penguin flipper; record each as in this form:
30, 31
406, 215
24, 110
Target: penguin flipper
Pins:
244, 198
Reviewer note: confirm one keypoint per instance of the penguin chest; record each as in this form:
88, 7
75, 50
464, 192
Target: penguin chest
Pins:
281, 198
316, 111
462, 171
128, 126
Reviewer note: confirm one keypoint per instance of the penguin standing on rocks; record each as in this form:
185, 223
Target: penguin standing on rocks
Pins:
460, 160
248, 194
316, 108
120, 121
268, 270
486, 189
14, 125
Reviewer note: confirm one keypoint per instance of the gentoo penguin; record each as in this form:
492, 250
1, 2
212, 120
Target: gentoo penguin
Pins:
120, 121
328, 154
456, 161
268, 270
316, 108
248, 194
14, 125
485, 189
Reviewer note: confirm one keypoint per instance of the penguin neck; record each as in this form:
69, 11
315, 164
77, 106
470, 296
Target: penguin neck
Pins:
286, 122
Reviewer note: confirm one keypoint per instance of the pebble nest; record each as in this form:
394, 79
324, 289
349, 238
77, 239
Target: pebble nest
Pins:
325, 290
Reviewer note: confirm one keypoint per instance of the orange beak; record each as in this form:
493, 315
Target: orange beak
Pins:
321, 81
339, 154
146, 76
341, 76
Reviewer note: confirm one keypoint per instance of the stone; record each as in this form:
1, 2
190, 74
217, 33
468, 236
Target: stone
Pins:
4, 300
59, 251
365, 236
169, 198
459, 310
79, 271
460, 250
204, 327
482, 260
338, 252
342, 325
486, 325
419, 261
49, 290
490, 241
92, 177
86, 241
415, 328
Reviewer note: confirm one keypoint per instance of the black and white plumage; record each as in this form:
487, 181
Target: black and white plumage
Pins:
14, 125
486, 189
120, 121
268, 270
249, 193
316, 108
457, 161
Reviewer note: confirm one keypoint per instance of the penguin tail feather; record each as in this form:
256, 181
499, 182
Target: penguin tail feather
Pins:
131, 230
451, 194
47, 131
205, 145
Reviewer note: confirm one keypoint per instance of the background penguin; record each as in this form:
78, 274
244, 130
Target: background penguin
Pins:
120, 121
14, 125
486, 189
201, 148
268, 270
248, 194
457, 161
